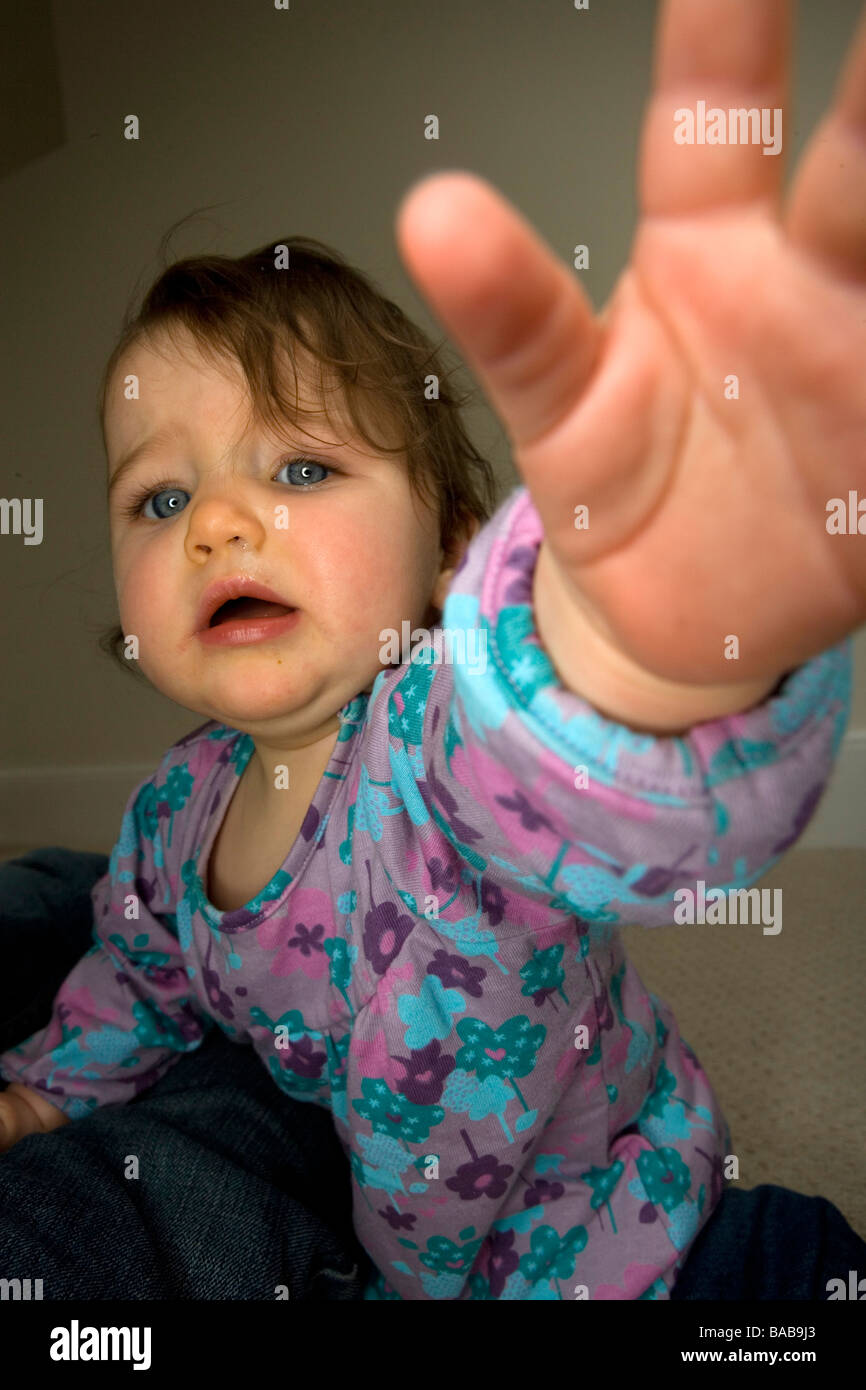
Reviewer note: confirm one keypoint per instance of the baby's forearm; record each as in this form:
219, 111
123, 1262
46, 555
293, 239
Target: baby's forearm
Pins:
23, 1111
615, 686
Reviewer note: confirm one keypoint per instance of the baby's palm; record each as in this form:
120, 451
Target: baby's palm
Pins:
718, 405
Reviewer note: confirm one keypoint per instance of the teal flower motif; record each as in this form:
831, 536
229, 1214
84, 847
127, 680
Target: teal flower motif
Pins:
811, 690
146, 813
683, 1224
447, 1257
184, 923
552, 1256
390, 1112
175, 791
543, 973
404, 785
509, 1050
737, 757
528, 667
665, 1177
603, 1182
411, 693
271, 891
370, 807
430, 1013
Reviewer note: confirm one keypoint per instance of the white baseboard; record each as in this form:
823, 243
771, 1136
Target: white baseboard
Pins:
81, 807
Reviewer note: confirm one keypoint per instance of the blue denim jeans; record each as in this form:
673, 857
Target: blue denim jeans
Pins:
241, 1188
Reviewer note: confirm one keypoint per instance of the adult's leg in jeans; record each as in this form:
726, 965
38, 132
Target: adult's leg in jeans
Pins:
46, 925
768, 1242
240, 1188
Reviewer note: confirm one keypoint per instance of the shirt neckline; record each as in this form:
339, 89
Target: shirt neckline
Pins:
274, 893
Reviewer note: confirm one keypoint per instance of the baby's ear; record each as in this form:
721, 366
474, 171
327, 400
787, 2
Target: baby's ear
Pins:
451, 561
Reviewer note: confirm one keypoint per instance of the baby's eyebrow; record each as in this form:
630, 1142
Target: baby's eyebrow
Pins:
156, 440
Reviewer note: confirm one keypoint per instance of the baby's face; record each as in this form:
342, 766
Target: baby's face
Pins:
359, 553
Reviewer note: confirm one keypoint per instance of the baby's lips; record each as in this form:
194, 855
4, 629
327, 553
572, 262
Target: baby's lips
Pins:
237, 586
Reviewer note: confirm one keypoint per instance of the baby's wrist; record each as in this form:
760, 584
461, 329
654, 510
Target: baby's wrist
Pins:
617, 687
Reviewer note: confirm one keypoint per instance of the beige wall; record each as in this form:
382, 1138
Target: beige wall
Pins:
307, 121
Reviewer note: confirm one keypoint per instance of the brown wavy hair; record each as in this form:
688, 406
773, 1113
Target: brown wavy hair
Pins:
368, 350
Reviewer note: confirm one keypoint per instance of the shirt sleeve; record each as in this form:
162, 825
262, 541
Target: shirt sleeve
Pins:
125, 1012
537, 790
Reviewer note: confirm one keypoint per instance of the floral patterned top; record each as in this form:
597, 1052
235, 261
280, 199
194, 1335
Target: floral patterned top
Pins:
438, 960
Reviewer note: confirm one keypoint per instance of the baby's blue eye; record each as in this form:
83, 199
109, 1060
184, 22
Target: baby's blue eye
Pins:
305, 465
172, 509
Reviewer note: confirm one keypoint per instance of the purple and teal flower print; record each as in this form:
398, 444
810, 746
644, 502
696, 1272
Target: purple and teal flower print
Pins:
173, 795
408, 700
385, 931
394, 1114
663, 1114
552, 1257
453, 970
543, 975
487, 1066
425, 1073
603, 1182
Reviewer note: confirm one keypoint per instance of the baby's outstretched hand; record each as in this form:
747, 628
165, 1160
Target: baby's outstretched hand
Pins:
23, 1112
709, 418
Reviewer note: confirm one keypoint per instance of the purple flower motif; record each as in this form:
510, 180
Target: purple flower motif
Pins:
530, 819
307, 939
311, 823
542, 1191
426, 1072
145, 888
301, 1059
502, 1260
164, 975
464, 832
217, 996
481, 1177
398, 1220
492, 901
519, 590
444, 875
455, 972
385, 930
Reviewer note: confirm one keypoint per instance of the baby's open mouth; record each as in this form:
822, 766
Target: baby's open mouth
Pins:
237, 608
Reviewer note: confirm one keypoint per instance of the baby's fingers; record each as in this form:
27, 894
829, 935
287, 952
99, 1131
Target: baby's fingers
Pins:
22, 1112
826, 212
13, 1121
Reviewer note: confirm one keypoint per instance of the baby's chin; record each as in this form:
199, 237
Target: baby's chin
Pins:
269, 706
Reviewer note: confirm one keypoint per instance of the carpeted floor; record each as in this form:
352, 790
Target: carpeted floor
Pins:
779, 1025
